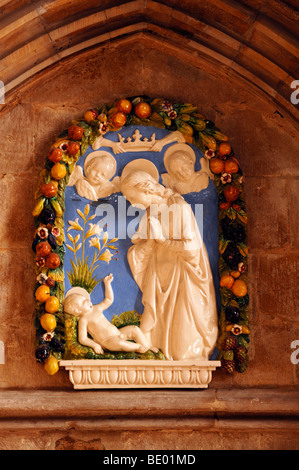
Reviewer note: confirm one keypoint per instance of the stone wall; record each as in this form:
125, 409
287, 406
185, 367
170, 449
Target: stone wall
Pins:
264, 141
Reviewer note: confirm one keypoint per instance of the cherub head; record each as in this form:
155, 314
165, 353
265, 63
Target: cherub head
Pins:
179, 161
77, 302
99, 167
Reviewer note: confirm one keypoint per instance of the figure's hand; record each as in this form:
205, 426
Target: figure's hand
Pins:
108, 279
117, 147
97, 349
156, 232
158, 145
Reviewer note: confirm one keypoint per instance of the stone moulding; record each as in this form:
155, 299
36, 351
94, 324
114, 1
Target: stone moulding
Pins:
95, 374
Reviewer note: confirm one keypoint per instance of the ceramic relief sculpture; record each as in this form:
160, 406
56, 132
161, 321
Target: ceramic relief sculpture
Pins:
154, 300
173, 273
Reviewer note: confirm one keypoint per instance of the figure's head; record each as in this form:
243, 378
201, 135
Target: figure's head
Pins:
99, 167
179, 161
141, 189
181, 166
77, 302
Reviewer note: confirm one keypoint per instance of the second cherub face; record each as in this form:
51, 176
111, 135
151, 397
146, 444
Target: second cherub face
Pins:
99, 170
181, 166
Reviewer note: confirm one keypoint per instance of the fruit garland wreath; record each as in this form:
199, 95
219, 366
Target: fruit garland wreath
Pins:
48, 213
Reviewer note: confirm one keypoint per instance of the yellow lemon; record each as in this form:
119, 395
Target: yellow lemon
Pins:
48, 322
52, 304
58, 171
42, 293
51, 365
227, 281
239, 288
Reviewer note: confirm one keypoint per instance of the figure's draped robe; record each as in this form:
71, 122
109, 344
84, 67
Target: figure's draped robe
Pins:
178, 294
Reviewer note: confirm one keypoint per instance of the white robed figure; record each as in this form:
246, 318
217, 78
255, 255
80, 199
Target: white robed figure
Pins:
170, 264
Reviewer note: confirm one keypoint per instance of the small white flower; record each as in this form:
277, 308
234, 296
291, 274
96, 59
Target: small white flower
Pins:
209, 154
226, 178
172, 114
237, 330
103, 128
43, 232
55, 231
48, 336
42, 278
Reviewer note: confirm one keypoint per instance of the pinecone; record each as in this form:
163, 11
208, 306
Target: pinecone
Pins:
240, 354
228, 366
242, 367
229, 343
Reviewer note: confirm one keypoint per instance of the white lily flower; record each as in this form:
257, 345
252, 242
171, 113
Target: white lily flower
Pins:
94, 229
95, 242
106, 256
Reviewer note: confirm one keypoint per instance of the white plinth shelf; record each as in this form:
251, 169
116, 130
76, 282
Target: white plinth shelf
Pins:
100, 374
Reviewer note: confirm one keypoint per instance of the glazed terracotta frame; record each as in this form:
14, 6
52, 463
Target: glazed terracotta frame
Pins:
233, 340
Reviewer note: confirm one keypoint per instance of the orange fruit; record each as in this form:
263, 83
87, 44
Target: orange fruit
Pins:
90, 115
143, 110
237, 207
42, 293
231, 192
52, 304
75, 132
216, 165
51, 365
58, 171
231, 166
73, 148
239, 288
55, 155
227, 281
49, 189
235, 274
224, 148
43, 249
48, 322
225, 205
53, 261
119, 119
124, 106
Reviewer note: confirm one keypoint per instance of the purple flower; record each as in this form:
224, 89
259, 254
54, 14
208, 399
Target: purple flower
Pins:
167, 106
